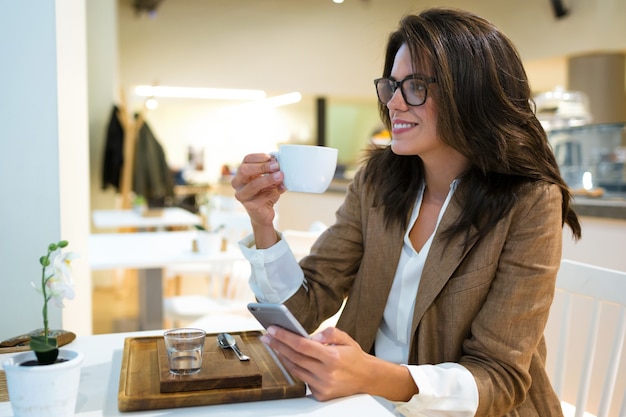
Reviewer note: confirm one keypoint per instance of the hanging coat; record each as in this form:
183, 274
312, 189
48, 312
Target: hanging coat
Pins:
152, 177
113, 152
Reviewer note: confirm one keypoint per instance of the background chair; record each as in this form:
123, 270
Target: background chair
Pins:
225, 291
585, 336
300, 241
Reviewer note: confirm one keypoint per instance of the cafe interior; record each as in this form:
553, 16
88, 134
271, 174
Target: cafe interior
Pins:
94, 85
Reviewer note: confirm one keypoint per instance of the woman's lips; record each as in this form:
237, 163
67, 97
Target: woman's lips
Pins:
401, 126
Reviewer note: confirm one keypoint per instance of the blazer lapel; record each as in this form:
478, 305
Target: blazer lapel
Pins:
387, 242
378, 271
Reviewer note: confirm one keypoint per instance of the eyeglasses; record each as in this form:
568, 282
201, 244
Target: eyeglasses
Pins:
414, 89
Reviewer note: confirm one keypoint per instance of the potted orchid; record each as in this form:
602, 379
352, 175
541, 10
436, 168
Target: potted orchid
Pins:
55, 285
50, 390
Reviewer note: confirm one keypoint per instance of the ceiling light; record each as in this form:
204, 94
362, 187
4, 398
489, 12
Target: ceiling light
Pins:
276, 101
282, 100
151, 103
196, 92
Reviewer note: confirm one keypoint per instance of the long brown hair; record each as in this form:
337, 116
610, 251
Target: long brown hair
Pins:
484, 112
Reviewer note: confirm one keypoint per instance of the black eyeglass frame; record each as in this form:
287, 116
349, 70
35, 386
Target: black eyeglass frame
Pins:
399, 84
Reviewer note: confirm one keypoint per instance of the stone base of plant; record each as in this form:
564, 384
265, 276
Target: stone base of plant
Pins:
63, 338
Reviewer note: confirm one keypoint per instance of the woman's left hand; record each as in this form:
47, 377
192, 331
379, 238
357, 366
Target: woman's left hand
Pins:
333, 365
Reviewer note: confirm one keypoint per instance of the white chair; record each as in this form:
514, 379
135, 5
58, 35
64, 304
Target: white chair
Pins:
228, 313
226, 214
228, 292
585, 336
300, 241
233, 225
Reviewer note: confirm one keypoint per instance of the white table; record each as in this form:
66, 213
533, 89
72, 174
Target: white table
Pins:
149, 253
170, 216
100, 375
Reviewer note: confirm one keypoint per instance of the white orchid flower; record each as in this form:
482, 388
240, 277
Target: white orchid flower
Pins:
59, 282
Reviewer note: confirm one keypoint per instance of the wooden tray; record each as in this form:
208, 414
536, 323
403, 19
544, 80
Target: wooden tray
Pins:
139, 387
220, 369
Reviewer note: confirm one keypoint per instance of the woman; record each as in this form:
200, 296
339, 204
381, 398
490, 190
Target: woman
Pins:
447, 245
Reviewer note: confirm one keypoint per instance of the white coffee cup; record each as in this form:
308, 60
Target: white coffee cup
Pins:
307, 169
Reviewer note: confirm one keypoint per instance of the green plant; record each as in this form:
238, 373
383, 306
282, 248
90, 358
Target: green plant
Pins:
56, 284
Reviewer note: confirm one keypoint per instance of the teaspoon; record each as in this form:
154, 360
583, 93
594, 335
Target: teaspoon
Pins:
226, 341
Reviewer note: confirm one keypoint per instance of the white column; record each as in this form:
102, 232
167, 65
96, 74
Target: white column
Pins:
71, 51
43, 148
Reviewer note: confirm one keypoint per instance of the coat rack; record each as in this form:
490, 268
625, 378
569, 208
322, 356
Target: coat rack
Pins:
131, 130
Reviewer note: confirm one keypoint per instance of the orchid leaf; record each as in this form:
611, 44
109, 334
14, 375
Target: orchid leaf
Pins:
38, 343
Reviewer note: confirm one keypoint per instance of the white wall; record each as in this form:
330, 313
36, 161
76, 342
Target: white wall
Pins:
42, 157
321, 48
226, 136
297, 211
603, 242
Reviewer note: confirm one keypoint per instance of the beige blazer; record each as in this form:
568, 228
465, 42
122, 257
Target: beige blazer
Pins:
484, 307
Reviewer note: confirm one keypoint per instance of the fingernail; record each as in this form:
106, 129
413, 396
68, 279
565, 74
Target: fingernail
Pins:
273, 166
276, 175
271, 330
265, 339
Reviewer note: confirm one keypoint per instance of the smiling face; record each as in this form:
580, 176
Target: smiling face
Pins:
413, 128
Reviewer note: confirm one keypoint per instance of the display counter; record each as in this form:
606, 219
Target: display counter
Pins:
608, 207
591, 159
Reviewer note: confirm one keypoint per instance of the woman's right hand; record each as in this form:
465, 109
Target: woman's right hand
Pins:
258, 184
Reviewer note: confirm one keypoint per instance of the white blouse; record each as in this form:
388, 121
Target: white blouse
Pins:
446, 389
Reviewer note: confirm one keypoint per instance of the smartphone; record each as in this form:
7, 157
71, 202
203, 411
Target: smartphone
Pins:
276, 315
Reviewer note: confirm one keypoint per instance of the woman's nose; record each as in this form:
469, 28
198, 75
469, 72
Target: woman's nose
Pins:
397, 101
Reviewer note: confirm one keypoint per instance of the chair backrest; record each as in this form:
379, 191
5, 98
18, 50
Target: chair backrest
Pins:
300, 241
233, 225
585, 336
237, 284
228, 215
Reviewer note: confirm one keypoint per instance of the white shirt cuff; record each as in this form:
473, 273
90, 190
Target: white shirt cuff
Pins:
446, 389
276, 275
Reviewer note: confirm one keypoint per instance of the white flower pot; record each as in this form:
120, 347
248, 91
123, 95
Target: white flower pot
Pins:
44, 390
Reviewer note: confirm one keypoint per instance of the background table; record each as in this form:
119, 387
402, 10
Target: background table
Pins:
149, 253
100, 375
170, 216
